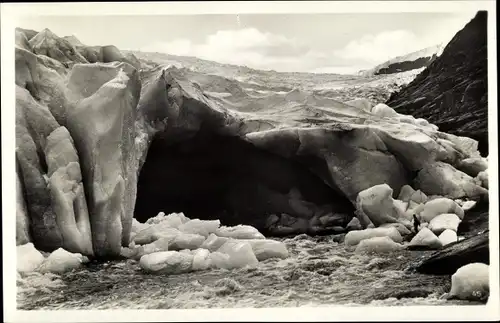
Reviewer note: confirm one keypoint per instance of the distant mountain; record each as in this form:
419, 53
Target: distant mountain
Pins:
452, 92
411, 61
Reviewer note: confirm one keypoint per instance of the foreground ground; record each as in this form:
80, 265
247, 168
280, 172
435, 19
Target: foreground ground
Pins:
319, 272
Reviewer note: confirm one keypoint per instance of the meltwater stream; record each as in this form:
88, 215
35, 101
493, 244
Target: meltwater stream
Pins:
318, 272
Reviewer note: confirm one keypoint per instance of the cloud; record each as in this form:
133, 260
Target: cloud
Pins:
263, 50
249, 47
382, 47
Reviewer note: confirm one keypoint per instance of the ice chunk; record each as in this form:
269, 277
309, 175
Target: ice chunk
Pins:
482, 179
197, 226
419, 197
383, 110
422, 122
159, 245
471, 282
354, 224
240, 253
468, 205
448, 236
201, 259
173, 220
402, 229
61, 261
400, 206
439, 206
155, 232
187, 241
220, 260
28, 258
376, 205
167, 262
137, 226
378, 245
473, 166
352, 238
213, 242
425, 239
405, 193
129, 253
423, 225
443, 222
267, 248
239, 232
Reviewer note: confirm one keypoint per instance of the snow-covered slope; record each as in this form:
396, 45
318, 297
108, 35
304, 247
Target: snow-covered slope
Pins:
408, 62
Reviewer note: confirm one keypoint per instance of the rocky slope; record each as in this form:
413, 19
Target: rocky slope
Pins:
452, 92
411, 61
102, 138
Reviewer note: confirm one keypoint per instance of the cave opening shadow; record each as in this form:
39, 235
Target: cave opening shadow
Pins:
211, 176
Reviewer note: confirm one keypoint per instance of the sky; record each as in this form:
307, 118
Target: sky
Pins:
318, 43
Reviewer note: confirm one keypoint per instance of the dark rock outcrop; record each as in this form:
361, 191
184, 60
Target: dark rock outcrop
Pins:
406, 65
475, 220
447, 260
452, 91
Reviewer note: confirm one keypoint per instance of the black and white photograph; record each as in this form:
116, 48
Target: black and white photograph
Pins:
309, 158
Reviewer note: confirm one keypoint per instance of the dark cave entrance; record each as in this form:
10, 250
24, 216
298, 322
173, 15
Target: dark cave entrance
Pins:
210, 176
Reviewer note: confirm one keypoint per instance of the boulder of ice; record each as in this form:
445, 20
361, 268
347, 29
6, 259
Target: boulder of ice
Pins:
448, 236
167, 262
468, 205
173, 220
439, 206
419, 197
352, 238
378, 245
213, 242
28, 258
240, 253
220, 260
473, 166
471, 282
400, 206
383, 110
405, 118
239, 232
376, 205
61, 261
267, 248
422, 122
137, 226
159, 245
406, 193
201, 259
155, 232
482, 179
425, 239
201, 227
187, 241
130, 253
443, 222
354, 224
440, 178
402, 229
